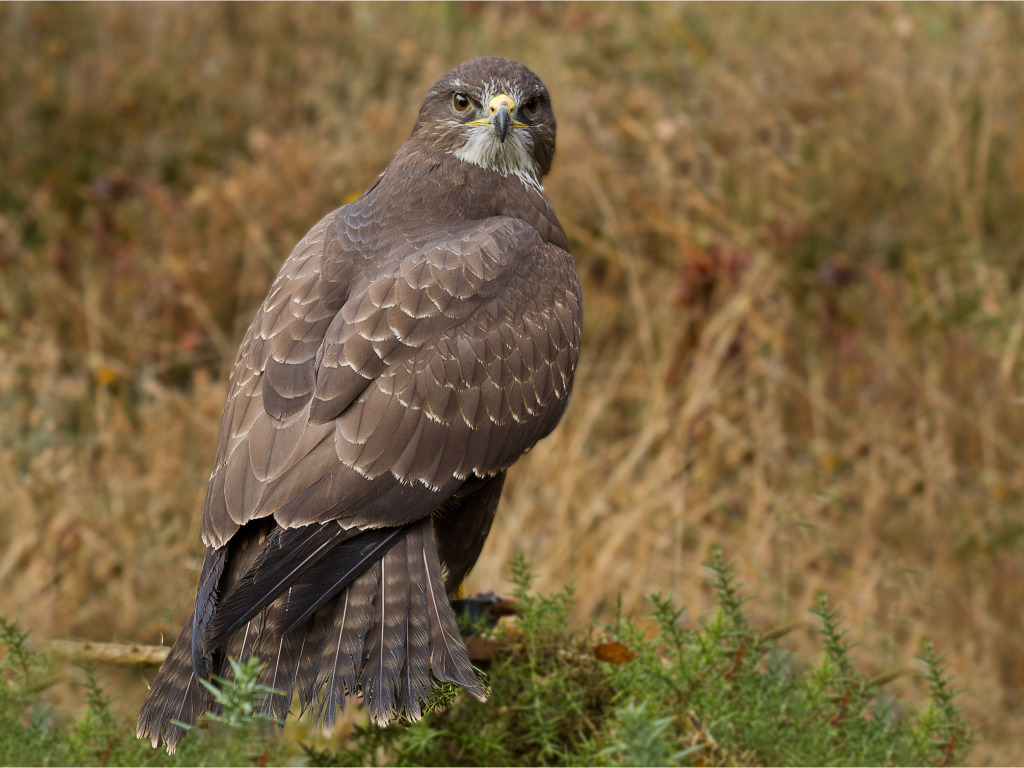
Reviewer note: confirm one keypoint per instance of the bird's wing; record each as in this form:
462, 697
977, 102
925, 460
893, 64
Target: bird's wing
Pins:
371, 401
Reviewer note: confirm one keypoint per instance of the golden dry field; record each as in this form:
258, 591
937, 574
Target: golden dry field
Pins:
800, 231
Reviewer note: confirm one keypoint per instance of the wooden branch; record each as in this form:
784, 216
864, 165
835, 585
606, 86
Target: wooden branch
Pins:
124, 654
490, 606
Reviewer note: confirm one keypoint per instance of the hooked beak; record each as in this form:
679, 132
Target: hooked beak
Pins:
501, 122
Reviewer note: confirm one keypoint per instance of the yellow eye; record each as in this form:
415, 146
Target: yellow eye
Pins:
532, 106
460, 102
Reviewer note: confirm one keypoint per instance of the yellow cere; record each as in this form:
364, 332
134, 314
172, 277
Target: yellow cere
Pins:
497, 101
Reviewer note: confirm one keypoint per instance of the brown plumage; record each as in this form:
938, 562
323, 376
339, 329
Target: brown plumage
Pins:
414, 345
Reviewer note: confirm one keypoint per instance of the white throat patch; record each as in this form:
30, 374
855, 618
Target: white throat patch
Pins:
485, 149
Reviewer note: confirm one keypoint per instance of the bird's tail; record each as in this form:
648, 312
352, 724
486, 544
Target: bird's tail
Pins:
386, 635
176, 696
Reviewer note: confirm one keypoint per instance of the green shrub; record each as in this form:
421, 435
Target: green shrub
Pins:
33, 732
716, 693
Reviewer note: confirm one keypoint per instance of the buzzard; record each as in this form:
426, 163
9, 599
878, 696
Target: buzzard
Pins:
415, 344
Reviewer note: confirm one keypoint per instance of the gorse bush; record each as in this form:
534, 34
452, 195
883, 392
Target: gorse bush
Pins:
23, 714
234, 696
33, 732
716, 693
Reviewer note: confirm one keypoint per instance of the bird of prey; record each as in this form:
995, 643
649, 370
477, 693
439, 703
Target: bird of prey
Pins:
415, 344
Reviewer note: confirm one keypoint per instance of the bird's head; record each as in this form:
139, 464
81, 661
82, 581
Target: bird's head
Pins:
494, 113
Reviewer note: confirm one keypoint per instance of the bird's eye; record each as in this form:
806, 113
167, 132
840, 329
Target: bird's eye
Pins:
531, 106
460, 102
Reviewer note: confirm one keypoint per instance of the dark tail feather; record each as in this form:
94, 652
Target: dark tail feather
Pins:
314, 562
392, 627
448, 658
322, 582
292, 646
386, 650
286, 556
176, 695
282, 654
310, 650
291, 627
414, 682
385, 634
341, 657
206, 605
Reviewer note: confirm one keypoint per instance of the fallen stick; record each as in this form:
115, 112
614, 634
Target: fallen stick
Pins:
125, 654
485, 605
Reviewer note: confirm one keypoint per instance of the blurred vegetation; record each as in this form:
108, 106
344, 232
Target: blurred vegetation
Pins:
799, 231
718, 694
35, 732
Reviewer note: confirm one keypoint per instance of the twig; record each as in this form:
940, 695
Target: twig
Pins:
125, 654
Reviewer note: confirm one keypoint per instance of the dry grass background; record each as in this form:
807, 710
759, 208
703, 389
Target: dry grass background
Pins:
800, 232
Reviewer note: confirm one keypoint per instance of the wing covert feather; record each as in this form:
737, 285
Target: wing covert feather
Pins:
452, 357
